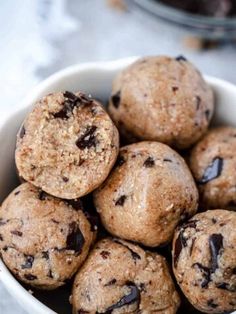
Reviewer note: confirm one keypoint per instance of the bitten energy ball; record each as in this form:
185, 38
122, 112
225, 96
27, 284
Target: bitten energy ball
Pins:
43, 240
213, 163
204, 260
163, 99
121, 277
147, 194
67, 145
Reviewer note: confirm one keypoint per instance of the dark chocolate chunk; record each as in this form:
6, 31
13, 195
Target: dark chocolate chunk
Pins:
142, 287
180, 242
17, 192
29, 259
30, 277
198, 102
149, 162
45, 255
133, 296
55, 221
105, 254
110, 283
120, 201
206, 273
216, 244
213, 171
22, 131
180, 58
1, 238
42, 195
75, 239
134, 255
115, 99
17, 233
211, 303
88, 139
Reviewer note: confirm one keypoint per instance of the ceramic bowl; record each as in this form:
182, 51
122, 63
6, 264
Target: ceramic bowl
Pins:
95, 79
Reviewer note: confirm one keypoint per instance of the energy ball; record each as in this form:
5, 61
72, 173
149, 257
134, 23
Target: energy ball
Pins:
204, 260
67, 145
121, 277
149, 191
43, 240
162, 99
213, 164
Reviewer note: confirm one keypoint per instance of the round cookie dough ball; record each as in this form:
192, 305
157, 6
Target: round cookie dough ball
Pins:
149, 191
67, 145
213, 164
163, 99
121, 277
204, 260
43, 240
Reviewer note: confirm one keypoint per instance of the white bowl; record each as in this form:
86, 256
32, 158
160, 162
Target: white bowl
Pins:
95, 78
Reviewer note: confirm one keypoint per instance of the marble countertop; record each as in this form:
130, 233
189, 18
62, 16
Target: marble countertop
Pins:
42, 36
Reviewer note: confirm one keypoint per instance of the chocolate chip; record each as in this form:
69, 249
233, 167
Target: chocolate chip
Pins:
1, 238
105, 254
75, 239
133, 296
167, 160
206, 273
120, 201
180, 58
115, 99
30, 277
189, 224
3, 222
134, 255
88, 139
120, 161
198, 102
55, 221
17, 192
110, 283
213, 171
175, 88
207, 114
29, 259
17, 233
180, 242
211, 303
142, 287
214, 221
22, 131
225, 286
216, 244
70, 95
45, 255
65, 179
50, 274
42, 195
149, 162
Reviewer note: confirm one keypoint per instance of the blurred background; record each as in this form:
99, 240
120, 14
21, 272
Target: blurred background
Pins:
40, 37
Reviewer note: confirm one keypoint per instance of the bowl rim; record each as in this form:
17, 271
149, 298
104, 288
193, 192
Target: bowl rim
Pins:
11, 284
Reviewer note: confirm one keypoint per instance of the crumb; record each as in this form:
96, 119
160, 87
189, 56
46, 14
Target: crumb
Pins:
198, 43
119, 5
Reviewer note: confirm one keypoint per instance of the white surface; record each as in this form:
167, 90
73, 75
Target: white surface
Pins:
95, 77
41, 36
